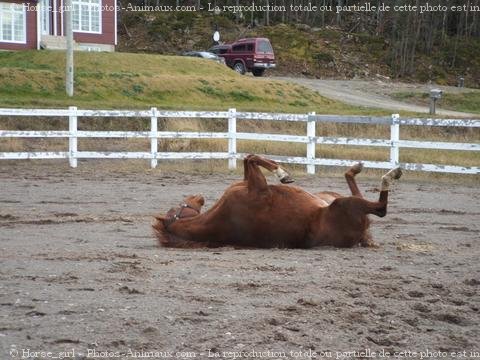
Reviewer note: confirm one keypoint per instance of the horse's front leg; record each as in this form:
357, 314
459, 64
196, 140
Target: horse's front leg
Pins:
268, 164
256, 181
350, 177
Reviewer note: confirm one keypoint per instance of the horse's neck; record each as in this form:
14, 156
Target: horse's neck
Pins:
192, 228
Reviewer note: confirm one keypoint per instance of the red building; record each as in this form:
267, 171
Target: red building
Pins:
37, 25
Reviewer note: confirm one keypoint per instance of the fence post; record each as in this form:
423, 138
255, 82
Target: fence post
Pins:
72, 140
153, 138
311, 145
232, 139
394, 139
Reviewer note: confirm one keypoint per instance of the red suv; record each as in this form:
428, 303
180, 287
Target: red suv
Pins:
251, 54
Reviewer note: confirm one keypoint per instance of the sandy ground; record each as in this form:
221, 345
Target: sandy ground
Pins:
81, 274
377, 93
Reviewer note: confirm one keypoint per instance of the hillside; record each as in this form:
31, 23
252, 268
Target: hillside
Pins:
121, 80
326, 52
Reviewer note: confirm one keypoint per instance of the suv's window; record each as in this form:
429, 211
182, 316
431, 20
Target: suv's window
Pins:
244, 48
239, 48
219, 50
264, 46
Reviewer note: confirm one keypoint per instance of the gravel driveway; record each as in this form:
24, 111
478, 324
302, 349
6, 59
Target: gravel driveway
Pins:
375, 94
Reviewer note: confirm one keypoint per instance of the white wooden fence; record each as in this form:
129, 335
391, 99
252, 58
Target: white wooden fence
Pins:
310, 139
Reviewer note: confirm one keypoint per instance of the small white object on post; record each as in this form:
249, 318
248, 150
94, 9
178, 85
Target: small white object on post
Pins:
311, 145
394, 139
154, 138
435, 95
232, 139
216, 37
72, 141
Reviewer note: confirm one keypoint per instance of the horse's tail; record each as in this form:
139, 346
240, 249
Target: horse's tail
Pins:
167, 239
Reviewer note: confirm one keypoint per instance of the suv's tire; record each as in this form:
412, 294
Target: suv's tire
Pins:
239, 67
258, 72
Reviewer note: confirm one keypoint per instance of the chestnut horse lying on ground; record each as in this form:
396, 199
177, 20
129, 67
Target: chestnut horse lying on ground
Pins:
253, 214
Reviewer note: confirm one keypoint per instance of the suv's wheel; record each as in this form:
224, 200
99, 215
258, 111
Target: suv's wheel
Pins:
258, 72
239, 67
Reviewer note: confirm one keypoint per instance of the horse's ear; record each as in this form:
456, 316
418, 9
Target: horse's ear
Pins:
159, 217
202, 200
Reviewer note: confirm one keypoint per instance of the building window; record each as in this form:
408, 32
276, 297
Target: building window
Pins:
86, 16
12, 23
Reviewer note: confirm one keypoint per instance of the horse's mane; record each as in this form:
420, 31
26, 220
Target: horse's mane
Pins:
168, 239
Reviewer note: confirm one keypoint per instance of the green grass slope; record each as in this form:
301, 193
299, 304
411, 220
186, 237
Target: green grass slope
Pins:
124, 80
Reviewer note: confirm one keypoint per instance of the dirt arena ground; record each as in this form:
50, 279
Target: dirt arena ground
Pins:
81, 275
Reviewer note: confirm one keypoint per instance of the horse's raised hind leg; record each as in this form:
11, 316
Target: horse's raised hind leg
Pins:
350, 177
356, 209
270, 165
380, 208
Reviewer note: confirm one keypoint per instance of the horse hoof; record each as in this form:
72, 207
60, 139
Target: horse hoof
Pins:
357, 168
389, 177
371, 245
395, 174
286, 180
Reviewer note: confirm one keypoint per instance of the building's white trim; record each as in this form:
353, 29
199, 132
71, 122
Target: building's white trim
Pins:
100, 25
39, 25
45, 17
25, 14
13, 42
115, 24
87, 32
62, 21
55, 12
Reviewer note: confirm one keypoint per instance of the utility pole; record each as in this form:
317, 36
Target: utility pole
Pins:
69, 33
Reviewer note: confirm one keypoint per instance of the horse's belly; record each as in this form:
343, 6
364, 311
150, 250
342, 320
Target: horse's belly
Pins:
279, 217
271, 224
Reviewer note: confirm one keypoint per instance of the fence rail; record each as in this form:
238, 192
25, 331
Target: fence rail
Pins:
394, 143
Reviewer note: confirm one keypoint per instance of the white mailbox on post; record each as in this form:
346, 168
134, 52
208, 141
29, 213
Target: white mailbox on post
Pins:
435, 94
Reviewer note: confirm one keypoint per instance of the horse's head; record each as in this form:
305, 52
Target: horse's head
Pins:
190, 207
195, 202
